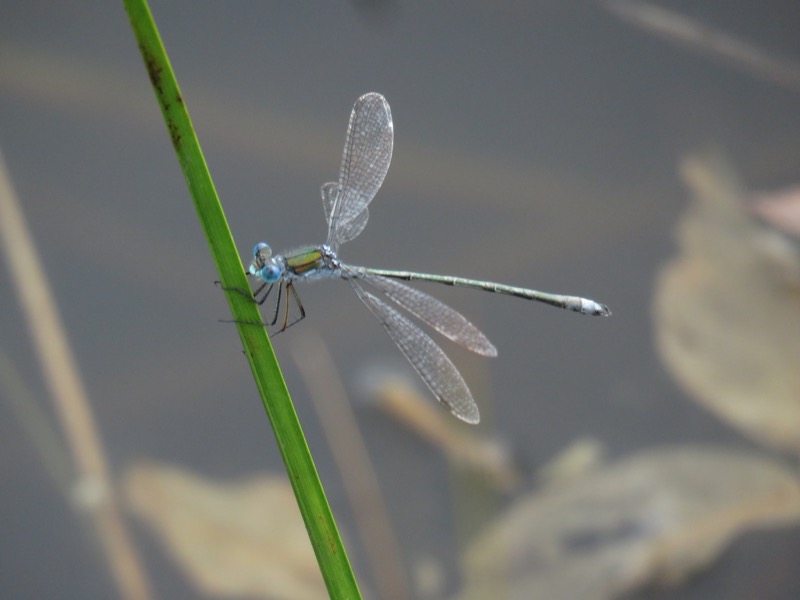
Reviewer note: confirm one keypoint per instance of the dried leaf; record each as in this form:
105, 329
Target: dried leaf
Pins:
656, 517
727, 311
243, 539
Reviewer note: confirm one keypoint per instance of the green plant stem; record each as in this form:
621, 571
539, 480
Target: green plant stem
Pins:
325, 539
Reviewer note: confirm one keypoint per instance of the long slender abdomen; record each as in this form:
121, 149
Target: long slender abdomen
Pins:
576, 303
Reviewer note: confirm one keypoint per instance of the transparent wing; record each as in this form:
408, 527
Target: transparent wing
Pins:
365, 161
435, 313
330, 193
425, 356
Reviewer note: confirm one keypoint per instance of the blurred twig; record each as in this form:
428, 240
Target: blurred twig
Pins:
93, 488
709, 41
400, 398
36, 425
352, 459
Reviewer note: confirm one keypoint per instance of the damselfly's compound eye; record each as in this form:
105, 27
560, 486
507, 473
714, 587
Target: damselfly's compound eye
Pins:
270, 273
261, 253
261, 256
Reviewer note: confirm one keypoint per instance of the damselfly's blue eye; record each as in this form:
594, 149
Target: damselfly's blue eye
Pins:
270, 273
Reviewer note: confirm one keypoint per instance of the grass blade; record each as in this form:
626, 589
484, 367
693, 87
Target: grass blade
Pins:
314, 507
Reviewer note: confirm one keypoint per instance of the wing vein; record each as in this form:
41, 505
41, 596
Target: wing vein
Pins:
365, 162
430, 361
435, 313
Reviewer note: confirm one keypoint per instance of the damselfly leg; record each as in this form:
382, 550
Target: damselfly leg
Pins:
287, 298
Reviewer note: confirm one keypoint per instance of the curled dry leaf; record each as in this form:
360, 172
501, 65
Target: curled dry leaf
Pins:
727, 310
653, 518
243, 539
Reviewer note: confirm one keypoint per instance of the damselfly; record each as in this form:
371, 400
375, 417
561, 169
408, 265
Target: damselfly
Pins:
367, 154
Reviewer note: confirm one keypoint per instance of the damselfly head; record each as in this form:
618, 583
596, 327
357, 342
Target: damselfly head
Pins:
263, 264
